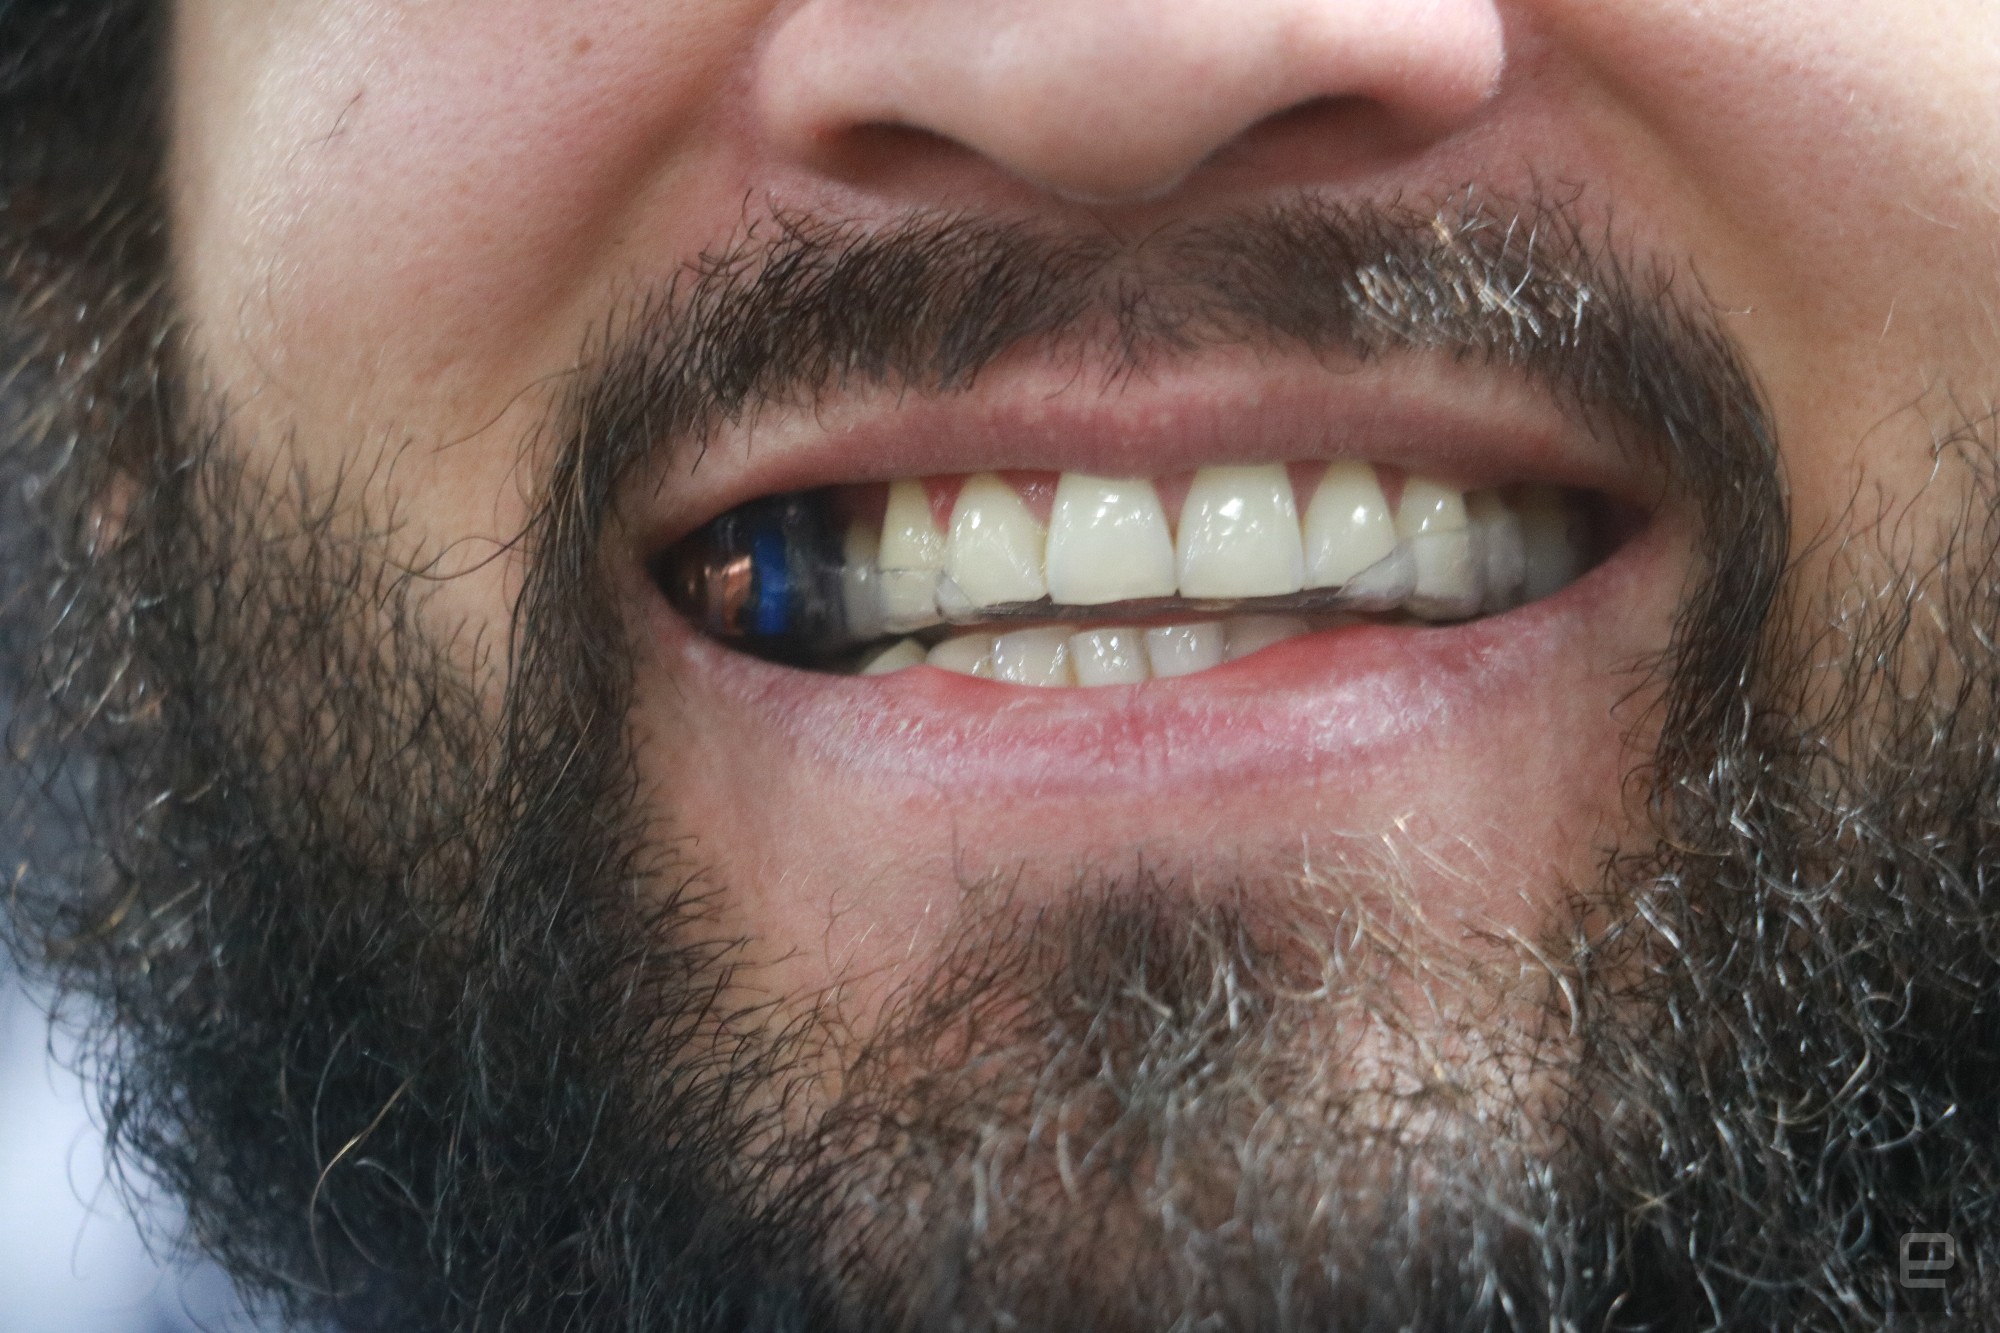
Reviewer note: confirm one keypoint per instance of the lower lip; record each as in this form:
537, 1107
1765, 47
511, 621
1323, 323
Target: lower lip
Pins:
1354, 697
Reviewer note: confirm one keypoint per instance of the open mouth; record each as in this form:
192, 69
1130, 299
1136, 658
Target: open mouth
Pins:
890, 633
1071, 579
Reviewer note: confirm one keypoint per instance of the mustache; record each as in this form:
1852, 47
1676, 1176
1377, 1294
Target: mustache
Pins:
799, 309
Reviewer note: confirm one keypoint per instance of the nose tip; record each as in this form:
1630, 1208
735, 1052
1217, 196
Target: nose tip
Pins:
1109, 100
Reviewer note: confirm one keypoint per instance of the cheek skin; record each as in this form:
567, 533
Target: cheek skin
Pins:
470, 169
395, 220
1849, 161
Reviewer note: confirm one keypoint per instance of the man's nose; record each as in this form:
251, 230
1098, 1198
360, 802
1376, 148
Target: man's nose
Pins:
1115, 100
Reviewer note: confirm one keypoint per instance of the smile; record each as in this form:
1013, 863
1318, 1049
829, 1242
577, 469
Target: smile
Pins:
1370, 591
1158, 533
1072, 579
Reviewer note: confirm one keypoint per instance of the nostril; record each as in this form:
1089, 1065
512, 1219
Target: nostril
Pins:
1108, 100
1318, 139
884, 154
1347, 125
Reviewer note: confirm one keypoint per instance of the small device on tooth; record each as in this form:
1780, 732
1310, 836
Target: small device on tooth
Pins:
766, 575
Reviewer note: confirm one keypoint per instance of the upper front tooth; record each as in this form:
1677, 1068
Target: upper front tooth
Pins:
994, 554
1432, 519
1239, 534
1348, 527
1108, 542
911, 555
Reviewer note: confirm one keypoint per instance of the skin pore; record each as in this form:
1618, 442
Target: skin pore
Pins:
1376, 984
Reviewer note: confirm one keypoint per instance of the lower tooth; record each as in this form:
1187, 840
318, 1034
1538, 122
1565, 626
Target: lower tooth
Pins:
1109, 657
1249, 634
1033, 657
902, 653
1182, 650
968, 655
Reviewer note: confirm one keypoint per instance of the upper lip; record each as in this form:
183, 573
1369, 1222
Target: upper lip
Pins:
1469, 424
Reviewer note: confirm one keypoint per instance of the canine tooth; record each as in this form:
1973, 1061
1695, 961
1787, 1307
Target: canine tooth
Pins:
1182, 650
1496, 530
900, 654
910, 557
1239, 534
994, 553
1248, 634
1108, 541
1432, 521
1348, 527
1430, 506
861, 580
1552, 556
968, 655
1033, 657
1109, 657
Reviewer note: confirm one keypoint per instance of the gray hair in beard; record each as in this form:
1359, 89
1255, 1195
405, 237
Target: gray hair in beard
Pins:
427, 1034
1762, 1060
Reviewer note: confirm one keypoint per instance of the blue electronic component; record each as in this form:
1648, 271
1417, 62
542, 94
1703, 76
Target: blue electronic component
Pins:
770, 564
766, 577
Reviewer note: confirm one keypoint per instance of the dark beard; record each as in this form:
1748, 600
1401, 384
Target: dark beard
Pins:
395, 993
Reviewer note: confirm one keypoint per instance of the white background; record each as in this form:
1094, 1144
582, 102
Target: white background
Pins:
71, 1260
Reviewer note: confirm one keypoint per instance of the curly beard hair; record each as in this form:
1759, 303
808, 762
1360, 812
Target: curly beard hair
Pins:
390, 985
